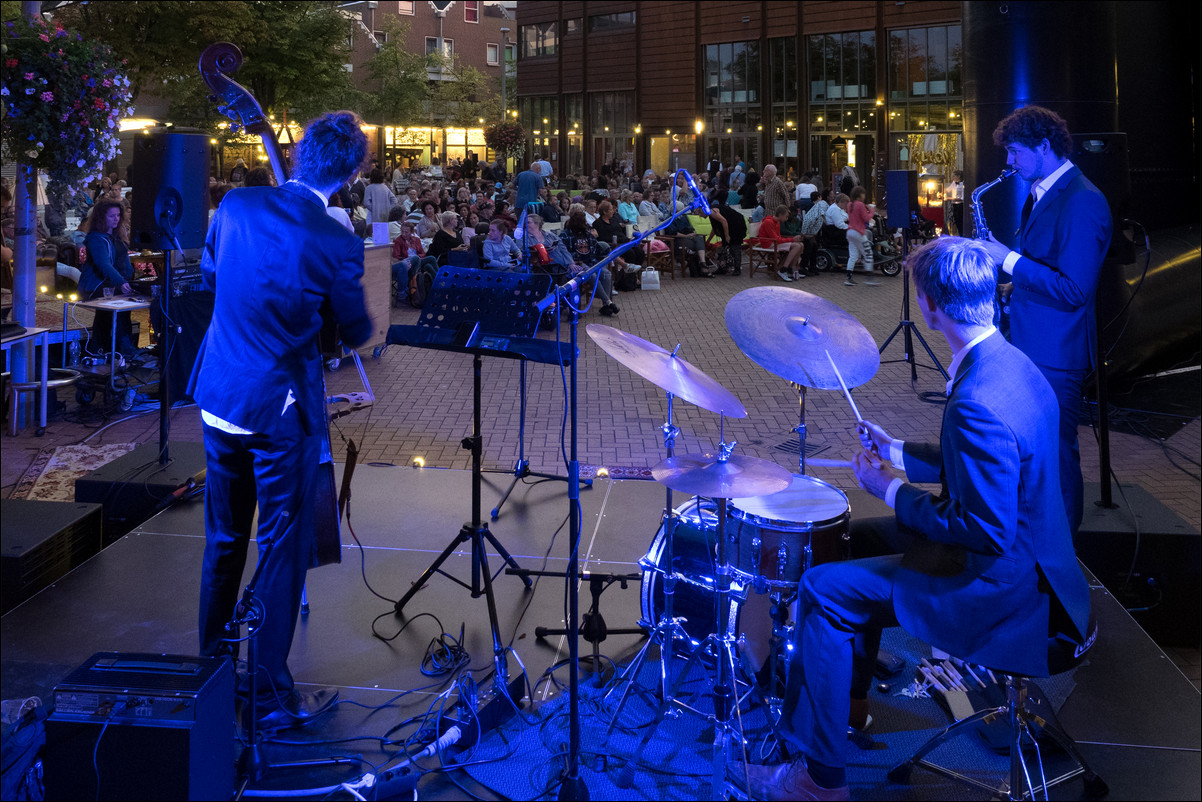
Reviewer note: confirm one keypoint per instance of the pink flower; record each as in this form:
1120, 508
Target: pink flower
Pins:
29, 76
47, 96
43, 37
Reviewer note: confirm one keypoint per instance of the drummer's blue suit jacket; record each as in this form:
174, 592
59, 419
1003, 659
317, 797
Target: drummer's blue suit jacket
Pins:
990, 571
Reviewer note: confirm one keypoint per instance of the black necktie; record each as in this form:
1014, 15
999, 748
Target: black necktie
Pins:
1027, 207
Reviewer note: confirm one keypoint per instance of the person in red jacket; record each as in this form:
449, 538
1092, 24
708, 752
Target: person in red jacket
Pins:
769, 236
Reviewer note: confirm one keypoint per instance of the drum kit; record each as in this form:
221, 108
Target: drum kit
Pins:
751, 528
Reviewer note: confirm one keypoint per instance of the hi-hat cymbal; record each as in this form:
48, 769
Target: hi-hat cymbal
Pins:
666, 370
738, 477
789, 332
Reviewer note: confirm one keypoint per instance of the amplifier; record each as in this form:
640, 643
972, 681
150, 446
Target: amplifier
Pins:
142, 726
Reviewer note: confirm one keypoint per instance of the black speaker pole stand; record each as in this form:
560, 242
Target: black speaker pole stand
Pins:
907, 326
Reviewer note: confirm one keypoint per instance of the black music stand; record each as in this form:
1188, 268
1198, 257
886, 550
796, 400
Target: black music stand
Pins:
482, 313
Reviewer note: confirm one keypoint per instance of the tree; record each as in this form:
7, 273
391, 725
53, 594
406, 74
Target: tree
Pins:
403, 86
466, 97
293, 52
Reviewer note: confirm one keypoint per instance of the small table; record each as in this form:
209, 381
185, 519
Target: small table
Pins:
38, 335
117, 303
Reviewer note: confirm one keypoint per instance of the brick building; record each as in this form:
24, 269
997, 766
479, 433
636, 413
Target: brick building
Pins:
815, 84
471, 32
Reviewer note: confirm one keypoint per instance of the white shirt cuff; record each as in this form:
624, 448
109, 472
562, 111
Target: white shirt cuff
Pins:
891, 493
897, 454
1009, 263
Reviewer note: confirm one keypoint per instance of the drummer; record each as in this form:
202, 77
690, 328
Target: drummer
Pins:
983, 569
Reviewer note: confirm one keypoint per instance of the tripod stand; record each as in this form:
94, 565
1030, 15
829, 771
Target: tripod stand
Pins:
480, 313
908, 327
522, 468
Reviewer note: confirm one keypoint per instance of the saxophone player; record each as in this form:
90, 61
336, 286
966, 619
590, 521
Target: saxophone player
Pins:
1063, 236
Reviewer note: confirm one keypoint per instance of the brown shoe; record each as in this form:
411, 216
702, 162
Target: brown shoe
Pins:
785, 781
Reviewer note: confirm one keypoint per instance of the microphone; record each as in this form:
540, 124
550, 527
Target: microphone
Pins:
697, 193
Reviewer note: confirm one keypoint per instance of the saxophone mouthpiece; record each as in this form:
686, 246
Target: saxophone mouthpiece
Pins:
1007, 172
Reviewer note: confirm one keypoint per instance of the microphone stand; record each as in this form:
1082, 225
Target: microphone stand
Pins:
572, 785
522, 468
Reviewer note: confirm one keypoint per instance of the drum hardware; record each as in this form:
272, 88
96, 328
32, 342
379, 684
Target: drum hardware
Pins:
592, 624
668, 371
721, 477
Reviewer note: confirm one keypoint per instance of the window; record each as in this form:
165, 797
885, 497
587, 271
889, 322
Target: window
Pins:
448, 46
405, 7
471, 11
924, 79
573, 26
493, 54
841, 68
381, 36
541, 39
600, 23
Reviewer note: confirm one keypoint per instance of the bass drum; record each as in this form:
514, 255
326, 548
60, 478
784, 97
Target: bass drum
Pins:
694, 562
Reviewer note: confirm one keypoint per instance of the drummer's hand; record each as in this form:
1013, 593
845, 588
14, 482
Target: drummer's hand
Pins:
873, 437
873, 474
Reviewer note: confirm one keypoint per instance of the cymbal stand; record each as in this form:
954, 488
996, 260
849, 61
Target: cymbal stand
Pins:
800, 428
727, 717
668, 628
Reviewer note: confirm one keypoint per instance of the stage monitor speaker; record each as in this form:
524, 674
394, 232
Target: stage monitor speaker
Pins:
171, 175
41, 541
142, 726
901, 197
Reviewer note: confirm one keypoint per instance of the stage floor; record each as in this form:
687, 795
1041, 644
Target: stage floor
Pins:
1136, 717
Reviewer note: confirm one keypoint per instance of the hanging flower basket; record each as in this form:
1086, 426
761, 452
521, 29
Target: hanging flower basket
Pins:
506, 138
63, 99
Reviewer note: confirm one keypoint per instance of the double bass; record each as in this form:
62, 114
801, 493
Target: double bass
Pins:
236, 102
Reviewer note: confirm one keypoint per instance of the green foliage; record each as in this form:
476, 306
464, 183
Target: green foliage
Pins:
64, 95
403, 87
293, 52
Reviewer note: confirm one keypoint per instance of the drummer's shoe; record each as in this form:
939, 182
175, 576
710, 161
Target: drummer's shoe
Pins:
859, 718
785, 781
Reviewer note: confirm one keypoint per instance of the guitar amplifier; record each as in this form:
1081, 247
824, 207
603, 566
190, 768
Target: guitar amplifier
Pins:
142, 726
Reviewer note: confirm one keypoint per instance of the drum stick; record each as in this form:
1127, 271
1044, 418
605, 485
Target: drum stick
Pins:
973, 674
829, 463
843, 384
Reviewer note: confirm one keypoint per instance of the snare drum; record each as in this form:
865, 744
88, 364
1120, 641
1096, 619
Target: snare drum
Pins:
778, 537
693, 550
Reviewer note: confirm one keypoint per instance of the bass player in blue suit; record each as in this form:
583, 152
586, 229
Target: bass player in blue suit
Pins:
274, 258
983, 569
1063, 236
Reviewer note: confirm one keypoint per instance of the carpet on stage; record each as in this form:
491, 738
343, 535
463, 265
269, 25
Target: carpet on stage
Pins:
52, 475
524, 758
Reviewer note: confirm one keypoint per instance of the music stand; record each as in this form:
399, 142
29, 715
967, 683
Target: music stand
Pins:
482, 313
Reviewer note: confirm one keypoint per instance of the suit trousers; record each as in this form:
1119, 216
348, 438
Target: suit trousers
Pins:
276, 473
1068, 385
843, 608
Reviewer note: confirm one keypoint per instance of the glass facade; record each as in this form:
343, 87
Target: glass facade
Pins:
541, 39
732, 78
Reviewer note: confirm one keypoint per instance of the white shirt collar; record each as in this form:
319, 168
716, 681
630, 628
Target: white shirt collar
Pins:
958, 358
1040, 187
324, 200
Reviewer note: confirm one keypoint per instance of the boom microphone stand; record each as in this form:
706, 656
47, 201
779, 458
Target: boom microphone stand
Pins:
522, 468
572, 786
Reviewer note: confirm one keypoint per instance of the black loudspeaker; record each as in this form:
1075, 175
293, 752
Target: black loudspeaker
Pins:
172, 191
1104, 160
41, 541
901, 197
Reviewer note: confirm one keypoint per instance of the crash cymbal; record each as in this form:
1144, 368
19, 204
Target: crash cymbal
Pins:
788, 332
738, 477
666, 370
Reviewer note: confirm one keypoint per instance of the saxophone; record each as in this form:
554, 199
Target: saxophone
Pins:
980, 230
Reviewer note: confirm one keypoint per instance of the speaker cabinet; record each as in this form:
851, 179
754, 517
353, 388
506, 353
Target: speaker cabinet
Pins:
901, 197
171, 191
